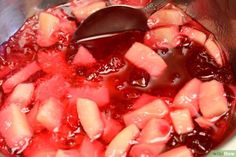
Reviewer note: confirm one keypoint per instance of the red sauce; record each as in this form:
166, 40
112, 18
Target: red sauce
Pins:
126, 82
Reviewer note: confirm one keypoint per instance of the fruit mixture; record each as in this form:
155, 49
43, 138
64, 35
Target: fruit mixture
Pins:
167, 92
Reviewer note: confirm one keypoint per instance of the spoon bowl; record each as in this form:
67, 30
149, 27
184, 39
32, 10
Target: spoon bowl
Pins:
113, 20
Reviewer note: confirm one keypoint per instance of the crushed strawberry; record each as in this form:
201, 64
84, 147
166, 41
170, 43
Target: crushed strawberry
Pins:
83, 57
20, 76
90, 148
111, 128
31, 116
56, 87
143, 100
41, 146
53, 62
99, 94
146, 149
67, 153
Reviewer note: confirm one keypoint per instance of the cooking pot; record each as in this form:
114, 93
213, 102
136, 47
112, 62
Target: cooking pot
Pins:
218, 16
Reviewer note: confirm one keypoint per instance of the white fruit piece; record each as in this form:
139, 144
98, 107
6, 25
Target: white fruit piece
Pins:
90, 118
140, 116
166, 17
21, 95
156, 131
48, 25
145, 58
214, 49
163, 37
120, 145
182, 121
194, 34
204, 123
188, 96
212, 100
50, 113
15, 128
83, 9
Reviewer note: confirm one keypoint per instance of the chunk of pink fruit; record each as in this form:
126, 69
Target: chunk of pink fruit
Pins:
204, 123
143, 100
145, 58
50, 113
83, 57
41, 146
90, 118
99, 94
155, 131
146, 150
167, 17
188, 96
15, 128
135, 3
155, 109
48, 25
83, 9
53, 62
120, 145
194, 34
67, 26
55, 87
212, 100
43, 153
90, 149
20, 76
31, 116
163, 37
67, 153
181, 151
182, 121
214, 50
111, 128
21, 95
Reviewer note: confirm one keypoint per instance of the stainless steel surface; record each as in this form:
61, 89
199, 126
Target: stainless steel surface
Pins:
219, 16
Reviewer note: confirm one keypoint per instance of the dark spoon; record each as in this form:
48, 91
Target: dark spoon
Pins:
113, 20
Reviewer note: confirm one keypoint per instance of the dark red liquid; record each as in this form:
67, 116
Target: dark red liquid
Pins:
126, 82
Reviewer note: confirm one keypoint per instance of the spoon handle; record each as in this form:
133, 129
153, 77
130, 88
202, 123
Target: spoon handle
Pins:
154, 5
